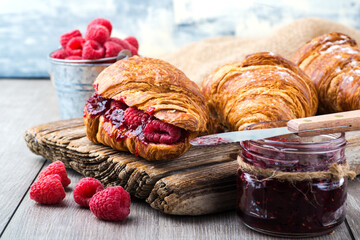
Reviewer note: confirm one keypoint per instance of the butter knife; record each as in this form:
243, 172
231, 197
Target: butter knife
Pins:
310, 126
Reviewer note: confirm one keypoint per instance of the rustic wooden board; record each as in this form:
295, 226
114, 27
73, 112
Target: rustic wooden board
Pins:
193, 184
201, 181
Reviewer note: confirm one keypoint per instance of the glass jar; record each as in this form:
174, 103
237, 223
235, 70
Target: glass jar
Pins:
287, 188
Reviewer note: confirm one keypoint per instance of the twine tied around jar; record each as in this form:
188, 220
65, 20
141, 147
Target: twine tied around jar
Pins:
336, 172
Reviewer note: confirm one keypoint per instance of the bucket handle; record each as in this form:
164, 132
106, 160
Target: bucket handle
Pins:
123, 54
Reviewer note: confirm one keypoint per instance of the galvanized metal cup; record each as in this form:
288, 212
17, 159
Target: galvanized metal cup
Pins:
73, 81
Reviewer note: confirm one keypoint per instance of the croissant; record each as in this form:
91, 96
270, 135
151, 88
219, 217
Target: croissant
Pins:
263, 87
332, 61
145, 106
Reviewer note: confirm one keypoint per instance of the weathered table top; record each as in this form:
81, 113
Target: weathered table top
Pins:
26, 103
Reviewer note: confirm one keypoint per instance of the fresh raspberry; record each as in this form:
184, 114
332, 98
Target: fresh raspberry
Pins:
160, 132
57, 167
85, 189
73, 58
103, 22
92, 50
111, 204
125, 45
65, 38
133, 50
48, 190
121, 42
60, 54
133, 41
134, 117
97, 33
75, 46
112, 49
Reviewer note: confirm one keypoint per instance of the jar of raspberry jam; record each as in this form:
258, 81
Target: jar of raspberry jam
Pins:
292, 186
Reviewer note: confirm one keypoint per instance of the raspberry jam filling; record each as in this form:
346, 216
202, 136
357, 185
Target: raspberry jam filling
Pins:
134, 122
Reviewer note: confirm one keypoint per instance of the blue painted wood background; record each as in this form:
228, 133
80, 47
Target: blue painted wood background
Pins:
29, 30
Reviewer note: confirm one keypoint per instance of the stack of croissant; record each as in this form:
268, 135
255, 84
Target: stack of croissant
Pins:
150, 108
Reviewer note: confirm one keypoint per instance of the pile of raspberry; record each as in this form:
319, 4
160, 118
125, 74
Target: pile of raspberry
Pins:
97, 43
111, 204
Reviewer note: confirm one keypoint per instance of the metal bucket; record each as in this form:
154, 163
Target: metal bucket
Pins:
73, 82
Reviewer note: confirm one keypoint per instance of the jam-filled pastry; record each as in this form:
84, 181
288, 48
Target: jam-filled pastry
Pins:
332, 61
263, 87
145, 106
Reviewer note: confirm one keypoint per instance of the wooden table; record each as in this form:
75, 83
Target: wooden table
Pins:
26, 103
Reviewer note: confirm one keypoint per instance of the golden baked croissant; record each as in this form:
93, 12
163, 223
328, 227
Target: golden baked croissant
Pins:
263, 87
145, 106
332, 61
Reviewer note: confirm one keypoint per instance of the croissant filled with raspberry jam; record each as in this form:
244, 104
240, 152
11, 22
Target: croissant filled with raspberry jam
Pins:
332, 61
263, 87
145, 106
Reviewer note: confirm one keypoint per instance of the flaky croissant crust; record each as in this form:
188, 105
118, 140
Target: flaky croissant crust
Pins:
155, 86
263, 87
332, 61
152, 83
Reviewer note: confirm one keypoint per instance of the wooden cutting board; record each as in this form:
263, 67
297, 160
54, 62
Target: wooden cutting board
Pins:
202, 181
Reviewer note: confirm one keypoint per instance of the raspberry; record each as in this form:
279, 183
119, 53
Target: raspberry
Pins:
112, 49
103, 22
85, 189
57, 167
48, 190
160, 132
73, 58
119, 41
111, 204
97, 33
65, 38
97, 105
117, 104
92, 50
133, 50
133, 41
134, 117
60, 54
74, 46
125, 45
116, 116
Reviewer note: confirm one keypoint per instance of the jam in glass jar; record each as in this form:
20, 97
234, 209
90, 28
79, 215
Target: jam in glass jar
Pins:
292, 186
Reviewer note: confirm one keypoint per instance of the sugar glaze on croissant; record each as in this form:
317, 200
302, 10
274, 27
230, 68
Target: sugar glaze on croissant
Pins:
332, 61
263, 87
145, 106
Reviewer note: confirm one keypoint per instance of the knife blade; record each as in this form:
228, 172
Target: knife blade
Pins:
310, 126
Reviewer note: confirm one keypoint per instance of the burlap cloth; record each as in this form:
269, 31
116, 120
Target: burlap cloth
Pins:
199, 59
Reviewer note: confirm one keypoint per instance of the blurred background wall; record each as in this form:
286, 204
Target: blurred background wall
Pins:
30, 30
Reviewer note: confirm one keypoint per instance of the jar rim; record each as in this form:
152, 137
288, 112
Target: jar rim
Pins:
336, 141
339, 138
299, 151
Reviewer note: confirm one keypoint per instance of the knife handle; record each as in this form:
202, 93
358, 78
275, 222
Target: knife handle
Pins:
343, 121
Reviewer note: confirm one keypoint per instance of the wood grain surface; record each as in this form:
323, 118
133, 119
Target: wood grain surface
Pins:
202, 181
193, 184
20, 109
